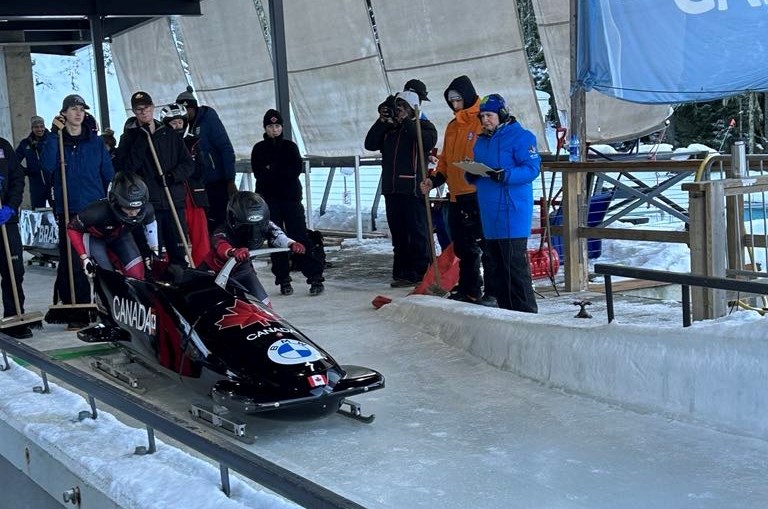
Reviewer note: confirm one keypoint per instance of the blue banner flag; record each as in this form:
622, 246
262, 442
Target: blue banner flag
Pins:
673, 51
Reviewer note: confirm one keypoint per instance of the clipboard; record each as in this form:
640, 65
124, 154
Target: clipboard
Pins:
474, 168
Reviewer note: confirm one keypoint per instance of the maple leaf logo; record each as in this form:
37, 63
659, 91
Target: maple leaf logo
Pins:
245, 314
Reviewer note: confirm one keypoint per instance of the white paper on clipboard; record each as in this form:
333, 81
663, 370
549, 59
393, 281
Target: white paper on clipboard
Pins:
474, 168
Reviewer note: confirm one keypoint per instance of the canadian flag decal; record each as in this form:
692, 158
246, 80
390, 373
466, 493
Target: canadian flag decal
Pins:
317, 380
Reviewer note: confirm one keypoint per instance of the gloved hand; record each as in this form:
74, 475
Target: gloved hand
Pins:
240, 254
298, 248
388, 110
88, 266
57, 124
6, 213
496, 175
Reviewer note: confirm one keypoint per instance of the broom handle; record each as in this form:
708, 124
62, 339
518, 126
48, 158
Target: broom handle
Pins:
11, 272
65, 200
423, 171
169, 198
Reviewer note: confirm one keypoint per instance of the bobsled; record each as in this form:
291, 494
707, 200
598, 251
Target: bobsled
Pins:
225, 343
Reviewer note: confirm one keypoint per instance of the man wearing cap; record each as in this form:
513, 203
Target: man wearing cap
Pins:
30, 149
134, 156
463, 212
88, 170
276, 164
11, 192
394, 135
216, 152
505, 196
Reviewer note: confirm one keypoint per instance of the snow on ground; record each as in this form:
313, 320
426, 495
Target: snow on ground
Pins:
465, 431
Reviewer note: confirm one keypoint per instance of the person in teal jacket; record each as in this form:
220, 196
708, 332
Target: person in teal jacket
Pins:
505, 197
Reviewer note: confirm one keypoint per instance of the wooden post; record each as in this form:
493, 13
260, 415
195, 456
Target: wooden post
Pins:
707, 244
575, 264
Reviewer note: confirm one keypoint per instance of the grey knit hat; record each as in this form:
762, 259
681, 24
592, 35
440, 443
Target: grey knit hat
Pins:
36, 120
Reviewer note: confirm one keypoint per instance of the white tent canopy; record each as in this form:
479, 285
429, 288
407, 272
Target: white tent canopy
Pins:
338, 74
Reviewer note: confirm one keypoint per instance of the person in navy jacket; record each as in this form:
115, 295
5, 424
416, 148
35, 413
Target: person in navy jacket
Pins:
30, 149
505, 196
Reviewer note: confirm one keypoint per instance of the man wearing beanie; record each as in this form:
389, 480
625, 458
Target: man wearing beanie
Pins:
216, 152
394, 134
30, 149
505, 196
276, 164
463, 213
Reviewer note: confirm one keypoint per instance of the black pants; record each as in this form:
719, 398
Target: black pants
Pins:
289, 215
512, 274
168, 235
218, 197
467, 235
80, 281
407, 220
14, 243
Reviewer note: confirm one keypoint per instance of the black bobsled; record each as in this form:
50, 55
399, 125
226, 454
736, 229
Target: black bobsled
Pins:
226, 343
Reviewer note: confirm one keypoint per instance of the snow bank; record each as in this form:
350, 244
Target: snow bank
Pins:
713, 373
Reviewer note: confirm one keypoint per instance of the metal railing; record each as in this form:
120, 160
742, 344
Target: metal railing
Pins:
685, 280
298, 489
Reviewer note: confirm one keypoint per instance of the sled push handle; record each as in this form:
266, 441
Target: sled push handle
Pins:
223, 276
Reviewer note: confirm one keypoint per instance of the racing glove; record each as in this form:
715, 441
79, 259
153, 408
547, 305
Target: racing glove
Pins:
240, 254
298, 248
88, 266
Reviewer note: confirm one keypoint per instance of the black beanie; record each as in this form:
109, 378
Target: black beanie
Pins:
272, 117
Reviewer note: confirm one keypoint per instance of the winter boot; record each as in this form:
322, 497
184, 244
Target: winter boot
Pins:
286, 289
316, 289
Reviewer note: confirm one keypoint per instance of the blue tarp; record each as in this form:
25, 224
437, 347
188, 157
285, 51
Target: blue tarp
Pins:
673, 51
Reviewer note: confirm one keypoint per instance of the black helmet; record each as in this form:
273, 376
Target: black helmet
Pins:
247, 216
128, 191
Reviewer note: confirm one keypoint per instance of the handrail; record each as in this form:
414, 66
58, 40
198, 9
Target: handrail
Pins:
298, 489
683, 279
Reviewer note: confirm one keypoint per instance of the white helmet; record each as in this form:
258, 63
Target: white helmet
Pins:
173, 112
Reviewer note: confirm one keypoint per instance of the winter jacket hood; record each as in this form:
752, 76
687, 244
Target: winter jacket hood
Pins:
463, 85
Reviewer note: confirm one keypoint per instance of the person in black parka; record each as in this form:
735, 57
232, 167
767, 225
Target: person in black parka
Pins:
276, 164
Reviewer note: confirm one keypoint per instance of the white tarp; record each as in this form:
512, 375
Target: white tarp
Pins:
231, 68
437, 41
607, 118
335, 76
146, 59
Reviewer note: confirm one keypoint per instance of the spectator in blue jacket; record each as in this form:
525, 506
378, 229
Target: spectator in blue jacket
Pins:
30, 150
88, 169
216, 151
505, 197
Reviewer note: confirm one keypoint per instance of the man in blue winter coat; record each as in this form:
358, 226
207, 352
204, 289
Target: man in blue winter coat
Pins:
217, 153
88, 170
505, 197
30, 149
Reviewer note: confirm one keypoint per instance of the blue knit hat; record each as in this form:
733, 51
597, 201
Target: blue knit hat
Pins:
493, 103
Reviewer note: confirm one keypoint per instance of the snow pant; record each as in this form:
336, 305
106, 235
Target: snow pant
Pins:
168, 235
14, 243
218, 197
79, 279
512, 274
467, 235
197, 226
39, 190
123, 248
289, 215
407, 220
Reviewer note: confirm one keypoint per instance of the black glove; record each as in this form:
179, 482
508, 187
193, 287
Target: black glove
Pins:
387, 109
57, 124
496, 175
